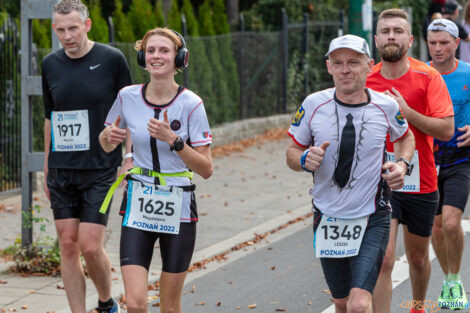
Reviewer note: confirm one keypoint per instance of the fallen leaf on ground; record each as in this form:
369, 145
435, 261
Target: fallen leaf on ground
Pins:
24, 307
282, 310
238, 307
252, 306
60, 287
157, 304
326, 291
201, 303
273, 268
218, 303
3, 282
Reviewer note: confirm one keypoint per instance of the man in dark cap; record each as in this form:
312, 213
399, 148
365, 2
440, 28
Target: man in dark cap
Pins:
451, 11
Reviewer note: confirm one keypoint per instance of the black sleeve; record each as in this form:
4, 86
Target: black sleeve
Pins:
462, 32
46, 95
123, 76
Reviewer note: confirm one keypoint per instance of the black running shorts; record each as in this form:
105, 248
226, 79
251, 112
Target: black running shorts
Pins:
79, 193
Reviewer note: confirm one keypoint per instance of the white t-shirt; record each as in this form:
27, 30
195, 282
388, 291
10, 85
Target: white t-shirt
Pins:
188, 120
321, 118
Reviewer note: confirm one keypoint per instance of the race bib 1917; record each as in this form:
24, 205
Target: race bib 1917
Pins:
339, 238
70, 131
153, 208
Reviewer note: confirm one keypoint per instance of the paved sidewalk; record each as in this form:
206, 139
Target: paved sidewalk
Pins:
249, 191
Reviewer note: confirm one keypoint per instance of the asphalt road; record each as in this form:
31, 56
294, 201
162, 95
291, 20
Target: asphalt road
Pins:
281, 274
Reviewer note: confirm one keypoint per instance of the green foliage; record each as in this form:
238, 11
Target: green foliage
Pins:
295, 81
142, 17
191, 20
205, 19
122, 26
42, 33
174, 17
43, 256
160, 15
12, 7
269, 11
221, 108
221, 25
99, 27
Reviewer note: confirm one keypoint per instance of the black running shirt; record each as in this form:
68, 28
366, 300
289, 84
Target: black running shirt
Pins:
88, 84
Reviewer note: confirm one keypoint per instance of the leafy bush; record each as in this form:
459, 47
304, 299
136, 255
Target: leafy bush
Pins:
99, 27
43, 256
142, 17
122, 27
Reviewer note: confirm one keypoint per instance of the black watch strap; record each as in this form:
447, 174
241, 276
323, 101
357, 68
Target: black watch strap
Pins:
177, 145
407, 163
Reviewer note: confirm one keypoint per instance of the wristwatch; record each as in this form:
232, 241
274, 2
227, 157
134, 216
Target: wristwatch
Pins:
178, 145
408, 167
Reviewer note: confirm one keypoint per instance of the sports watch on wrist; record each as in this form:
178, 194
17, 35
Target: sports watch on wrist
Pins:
408, 167
178, 145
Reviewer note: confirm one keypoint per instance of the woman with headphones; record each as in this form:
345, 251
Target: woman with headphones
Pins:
171, 139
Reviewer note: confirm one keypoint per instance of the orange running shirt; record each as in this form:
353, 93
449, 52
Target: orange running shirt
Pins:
425, 91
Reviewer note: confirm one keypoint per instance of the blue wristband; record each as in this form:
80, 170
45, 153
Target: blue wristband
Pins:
302, 160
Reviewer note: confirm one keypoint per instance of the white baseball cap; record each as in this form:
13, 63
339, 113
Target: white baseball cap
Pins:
443, 24
352, 42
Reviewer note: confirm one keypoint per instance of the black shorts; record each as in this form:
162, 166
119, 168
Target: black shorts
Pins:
362, 270
454, 186
79, 193
136, 247
416, 211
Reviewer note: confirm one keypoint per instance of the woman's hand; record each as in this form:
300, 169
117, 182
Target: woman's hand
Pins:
161, 129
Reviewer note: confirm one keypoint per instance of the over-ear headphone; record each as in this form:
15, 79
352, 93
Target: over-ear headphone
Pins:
182, 55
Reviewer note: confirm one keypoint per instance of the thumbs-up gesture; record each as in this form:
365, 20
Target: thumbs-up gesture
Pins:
394, 174
116, 135
161, 129
315, 156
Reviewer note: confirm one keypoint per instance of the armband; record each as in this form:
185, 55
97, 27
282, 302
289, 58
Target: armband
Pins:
302, 160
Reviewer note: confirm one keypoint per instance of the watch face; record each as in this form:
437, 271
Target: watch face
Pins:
179, 145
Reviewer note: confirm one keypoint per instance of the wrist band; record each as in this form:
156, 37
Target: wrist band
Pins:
302, 160
127, 156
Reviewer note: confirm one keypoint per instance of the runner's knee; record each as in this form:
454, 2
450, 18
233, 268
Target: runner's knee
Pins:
341, 305
359, 305
417, 260
136, 304
388, 262
452, 225
68, 248
91, 252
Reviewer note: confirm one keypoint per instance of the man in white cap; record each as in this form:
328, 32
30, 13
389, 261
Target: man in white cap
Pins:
453, 159
339, 135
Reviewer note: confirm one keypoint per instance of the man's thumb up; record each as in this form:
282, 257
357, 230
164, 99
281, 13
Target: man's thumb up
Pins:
325, 145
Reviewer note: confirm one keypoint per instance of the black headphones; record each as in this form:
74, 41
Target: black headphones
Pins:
182, 55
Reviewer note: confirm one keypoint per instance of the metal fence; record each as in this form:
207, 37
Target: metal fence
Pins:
238, 75
10, 124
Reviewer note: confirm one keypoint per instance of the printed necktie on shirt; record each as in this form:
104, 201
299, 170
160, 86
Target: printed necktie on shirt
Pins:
346, 153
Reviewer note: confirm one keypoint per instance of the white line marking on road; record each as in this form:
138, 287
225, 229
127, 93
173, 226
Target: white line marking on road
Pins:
400, 271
